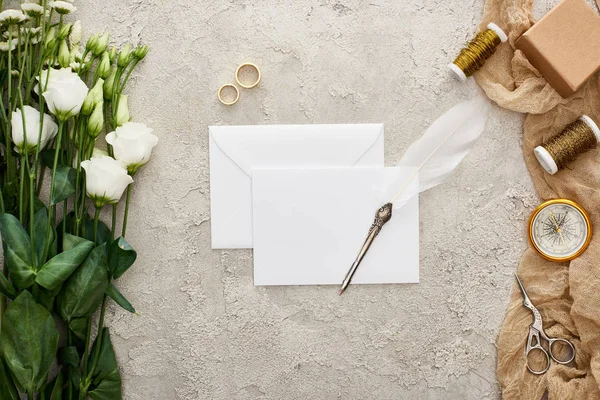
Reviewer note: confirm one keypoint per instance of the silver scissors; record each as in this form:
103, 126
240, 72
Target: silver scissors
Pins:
533, 341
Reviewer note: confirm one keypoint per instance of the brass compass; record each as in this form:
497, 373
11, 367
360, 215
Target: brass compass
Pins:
560, 230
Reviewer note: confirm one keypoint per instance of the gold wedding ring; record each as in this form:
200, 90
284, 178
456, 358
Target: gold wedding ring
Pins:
247, 71
227, 88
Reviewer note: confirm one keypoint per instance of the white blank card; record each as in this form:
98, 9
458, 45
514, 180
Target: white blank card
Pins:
309, 225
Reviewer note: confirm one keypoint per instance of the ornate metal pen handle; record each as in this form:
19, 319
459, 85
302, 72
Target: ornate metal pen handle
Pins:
383, 215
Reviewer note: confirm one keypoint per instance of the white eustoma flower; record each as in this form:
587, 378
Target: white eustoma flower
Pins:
9, 17
132, 144
62, 7
32, 9
64, 92
106, 180
4, 46
32, 130
96, 153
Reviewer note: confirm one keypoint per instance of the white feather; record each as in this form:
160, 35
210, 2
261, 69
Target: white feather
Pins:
442, 147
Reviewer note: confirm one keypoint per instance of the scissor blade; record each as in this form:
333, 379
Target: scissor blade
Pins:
525, 297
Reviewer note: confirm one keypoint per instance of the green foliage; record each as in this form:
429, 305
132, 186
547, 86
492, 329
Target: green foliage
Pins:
29, 341
121, 257
68, 356
7, 288
114, 294
21, 273
103, 231
40, 225
64, 183
56, 387
15, 237
83, 291
60, 267
106, 379
7, 387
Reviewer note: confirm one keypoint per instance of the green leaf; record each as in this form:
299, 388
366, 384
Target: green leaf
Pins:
103, 231
44, 297
7, 288
106, 379
37, 204
64, 183
69, 356
40, 225
47, 157
15, 237
121, 257
75, 380
7, 387
79, 327
55, 388
20, 272
114, 294
59, 268
29, 341
71, 241
84, 290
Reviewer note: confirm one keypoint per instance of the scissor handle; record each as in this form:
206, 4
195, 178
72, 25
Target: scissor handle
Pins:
540, 371
552, 341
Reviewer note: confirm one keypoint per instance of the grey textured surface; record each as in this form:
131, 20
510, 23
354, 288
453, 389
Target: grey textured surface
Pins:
205, 332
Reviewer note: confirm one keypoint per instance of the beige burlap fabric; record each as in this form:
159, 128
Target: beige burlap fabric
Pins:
568, 294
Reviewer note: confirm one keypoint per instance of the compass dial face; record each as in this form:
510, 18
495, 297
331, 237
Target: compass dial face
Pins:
560, 230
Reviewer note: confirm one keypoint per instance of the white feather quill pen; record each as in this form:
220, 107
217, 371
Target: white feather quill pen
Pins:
441, 148
435, 155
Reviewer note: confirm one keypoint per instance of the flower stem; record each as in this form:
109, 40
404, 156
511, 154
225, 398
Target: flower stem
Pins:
126, 211
22, 191
114, 222
52, 184
98, 339
86, 354
96, 217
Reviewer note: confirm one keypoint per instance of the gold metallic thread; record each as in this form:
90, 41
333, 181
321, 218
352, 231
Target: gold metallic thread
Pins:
577, 138
471, 58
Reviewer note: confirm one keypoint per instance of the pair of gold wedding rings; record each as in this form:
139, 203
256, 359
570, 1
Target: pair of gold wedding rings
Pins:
247, 76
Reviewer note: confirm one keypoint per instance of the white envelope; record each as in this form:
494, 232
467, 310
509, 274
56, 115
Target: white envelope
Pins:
309, 226
236, 150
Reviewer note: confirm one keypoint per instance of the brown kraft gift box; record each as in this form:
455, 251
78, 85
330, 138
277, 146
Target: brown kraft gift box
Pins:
564, 45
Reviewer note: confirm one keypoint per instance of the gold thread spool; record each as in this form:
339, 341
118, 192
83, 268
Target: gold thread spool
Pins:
473, 57
562, 149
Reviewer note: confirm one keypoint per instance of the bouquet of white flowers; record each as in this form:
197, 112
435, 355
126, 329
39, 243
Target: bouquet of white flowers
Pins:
60, 261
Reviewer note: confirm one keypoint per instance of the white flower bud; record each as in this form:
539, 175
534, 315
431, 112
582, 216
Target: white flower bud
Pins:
101, 45
64, 56
122, 116
140, 52
104, 67
96, 121
64, 31
94, 97
109, 85
124, 56
76, 34
92, 42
